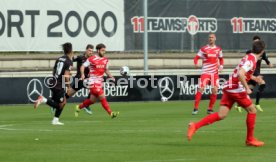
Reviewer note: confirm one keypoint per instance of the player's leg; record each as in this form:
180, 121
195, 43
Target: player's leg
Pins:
75, 87
87, 109
259, 94
245, 101
250, 123
202, 83
213, 95
105, 105
226, 104
86, 103
60, 99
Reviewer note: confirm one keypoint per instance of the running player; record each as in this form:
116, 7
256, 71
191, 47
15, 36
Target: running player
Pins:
77, 81
61, 71
98, 66
252, 84
237, 90
210, 54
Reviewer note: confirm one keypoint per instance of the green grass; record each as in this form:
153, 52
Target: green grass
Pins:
144, 132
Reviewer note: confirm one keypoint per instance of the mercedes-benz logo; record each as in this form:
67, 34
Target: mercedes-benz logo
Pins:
166, 87
34, 89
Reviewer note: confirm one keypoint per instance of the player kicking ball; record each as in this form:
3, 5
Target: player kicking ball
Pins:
237, 90
98, 66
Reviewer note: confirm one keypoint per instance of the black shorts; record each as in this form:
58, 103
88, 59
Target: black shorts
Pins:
77, 86
58, 94
252, 82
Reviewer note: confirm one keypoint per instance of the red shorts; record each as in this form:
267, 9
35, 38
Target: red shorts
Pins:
96, 90
209, 79
242, 98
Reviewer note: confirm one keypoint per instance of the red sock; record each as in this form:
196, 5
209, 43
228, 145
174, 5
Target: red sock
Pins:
209, 119
105, 105
250, 123
197, 99
85, 103
213, 98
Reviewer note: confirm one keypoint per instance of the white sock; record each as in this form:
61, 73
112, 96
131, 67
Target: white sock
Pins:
44, 100
55, 119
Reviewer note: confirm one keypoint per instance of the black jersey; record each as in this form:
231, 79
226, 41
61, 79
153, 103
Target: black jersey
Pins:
259, 62
62, 64
80, 60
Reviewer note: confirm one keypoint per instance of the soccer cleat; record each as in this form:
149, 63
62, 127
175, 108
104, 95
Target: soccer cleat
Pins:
114, 114
57, 123
258, 107
191, 131
38, 101
238, 108
210, 111
77, 111
88, 110
255, 143
195, 112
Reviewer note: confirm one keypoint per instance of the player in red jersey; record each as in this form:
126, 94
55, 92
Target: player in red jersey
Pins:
97, 67
210, 54
236, 90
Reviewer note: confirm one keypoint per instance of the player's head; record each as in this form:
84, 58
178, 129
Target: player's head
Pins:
256, 38
212, 38
67, 48
258, 47
100, 49
89, 50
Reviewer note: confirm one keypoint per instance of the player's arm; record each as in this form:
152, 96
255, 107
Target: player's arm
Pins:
83, 66
243, 80
109, 75
221, 61
242, 75
265, 58
67, 76
197, 57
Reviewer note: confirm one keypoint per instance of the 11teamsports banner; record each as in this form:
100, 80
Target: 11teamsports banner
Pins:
177, 25
43, 25
132, 88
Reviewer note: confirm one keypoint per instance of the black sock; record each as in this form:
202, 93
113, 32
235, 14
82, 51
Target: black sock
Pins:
58, 112
258, 96
52, 103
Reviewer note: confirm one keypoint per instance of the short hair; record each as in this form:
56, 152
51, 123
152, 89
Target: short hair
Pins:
258, 47
256, 37
67, 48
100, 46
89, 46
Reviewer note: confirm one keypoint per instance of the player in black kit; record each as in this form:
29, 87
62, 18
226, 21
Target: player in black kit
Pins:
60, 80
77, 81
257, 73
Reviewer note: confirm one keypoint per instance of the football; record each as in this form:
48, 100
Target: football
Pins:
124, 71
164, 99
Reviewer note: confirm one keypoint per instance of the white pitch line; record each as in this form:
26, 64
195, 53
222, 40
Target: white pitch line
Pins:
165, 160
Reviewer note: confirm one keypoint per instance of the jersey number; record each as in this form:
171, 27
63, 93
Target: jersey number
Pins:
59, 69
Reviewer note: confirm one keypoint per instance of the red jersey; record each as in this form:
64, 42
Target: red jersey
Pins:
209, 56
97, 66
248, 63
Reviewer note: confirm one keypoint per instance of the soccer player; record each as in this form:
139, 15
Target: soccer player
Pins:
257, 72
98, 66
77, 81
236, 90
61, 72
210, 54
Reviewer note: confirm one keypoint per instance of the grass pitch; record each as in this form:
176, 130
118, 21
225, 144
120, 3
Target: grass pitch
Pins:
143, 132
